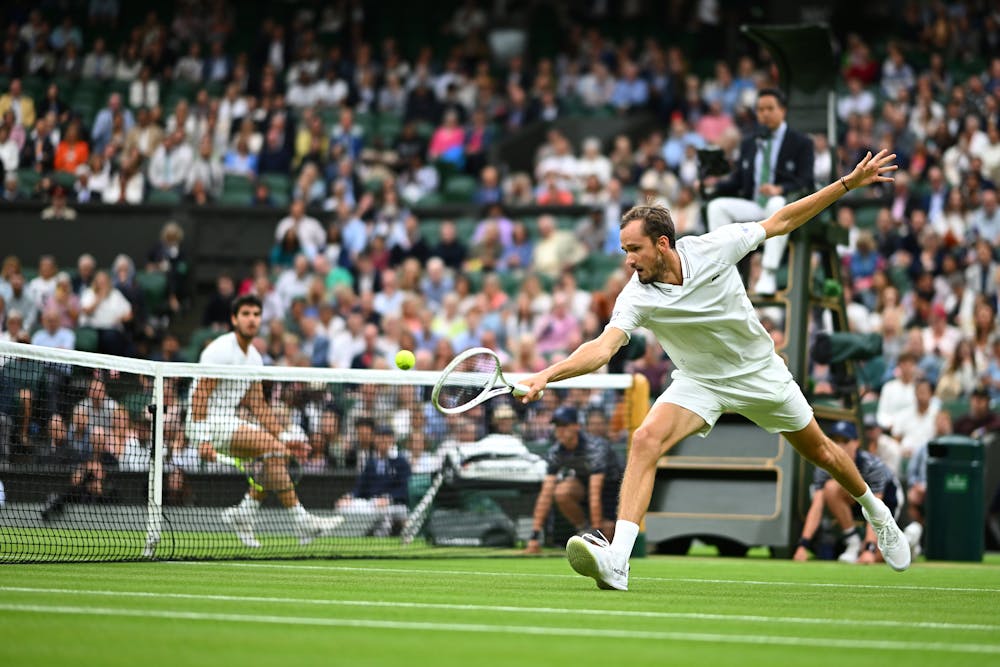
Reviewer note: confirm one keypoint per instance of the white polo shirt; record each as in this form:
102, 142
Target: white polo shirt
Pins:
707, 325
228, 393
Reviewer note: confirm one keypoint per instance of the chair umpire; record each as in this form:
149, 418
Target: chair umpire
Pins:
775, 166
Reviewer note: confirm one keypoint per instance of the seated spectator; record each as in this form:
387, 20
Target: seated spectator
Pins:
145, 136
58, 209
240, 161
98, 64
381, 491
308, 231
883, 445
72, 151
960, 374
452, 250
582, 478
127, 185
206, 170
898, 397
91, 481
64, 301
217, 312
276, 155
981, 421
556, 249
916, 427
38, 152
171, 163
827, 494
168, 256
20, 298
102, 130
448, 142
22, 105
145, 90
106, 309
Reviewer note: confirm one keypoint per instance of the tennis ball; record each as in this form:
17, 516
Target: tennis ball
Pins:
405, 359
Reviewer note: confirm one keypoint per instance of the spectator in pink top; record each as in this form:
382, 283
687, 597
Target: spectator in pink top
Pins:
555, 331
447, 142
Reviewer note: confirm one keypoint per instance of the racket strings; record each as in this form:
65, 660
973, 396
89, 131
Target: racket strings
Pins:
468, 380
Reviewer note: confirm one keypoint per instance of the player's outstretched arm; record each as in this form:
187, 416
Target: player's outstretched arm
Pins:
585, 359
869, 170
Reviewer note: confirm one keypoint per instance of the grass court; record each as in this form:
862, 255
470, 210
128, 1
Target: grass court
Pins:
498, 611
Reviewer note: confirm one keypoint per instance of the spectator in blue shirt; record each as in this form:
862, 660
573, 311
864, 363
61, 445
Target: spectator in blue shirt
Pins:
631, 91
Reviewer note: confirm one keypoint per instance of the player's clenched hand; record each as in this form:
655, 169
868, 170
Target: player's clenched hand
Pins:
535, 385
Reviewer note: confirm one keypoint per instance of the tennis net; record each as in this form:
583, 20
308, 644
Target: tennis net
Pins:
101, 460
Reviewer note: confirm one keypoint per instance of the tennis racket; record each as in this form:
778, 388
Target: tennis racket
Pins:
255, 468
472, 378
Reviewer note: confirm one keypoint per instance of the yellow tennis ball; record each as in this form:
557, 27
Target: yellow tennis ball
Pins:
405, 359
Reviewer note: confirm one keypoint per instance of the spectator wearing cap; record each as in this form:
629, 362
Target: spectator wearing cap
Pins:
828, 495
980, 421
583, 476
381, 489
504, 420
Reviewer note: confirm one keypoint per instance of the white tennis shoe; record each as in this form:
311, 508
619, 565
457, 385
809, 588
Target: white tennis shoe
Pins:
310, 526
591, 556
241, 521
891, 541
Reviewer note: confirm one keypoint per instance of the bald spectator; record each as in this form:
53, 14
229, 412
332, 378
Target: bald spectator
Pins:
556, 249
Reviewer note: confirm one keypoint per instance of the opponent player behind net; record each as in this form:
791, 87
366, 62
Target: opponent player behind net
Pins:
214, 426
688, 292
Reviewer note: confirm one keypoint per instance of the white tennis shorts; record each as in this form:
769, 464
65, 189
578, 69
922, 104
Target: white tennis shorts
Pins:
223, 429
769, 398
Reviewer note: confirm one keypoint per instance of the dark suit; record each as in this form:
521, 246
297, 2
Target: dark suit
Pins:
793, 170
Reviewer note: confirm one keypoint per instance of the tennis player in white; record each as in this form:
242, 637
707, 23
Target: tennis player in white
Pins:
213, 425
688, 292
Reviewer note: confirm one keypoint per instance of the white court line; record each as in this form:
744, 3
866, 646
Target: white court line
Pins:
590, 633
390, 570
513, 609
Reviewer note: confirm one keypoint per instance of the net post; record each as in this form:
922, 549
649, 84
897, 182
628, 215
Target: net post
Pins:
154, 498
637, 400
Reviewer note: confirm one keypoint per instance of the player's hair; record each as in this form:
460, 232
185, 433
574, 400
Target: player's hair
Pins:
776, 94
245, 300
656, 221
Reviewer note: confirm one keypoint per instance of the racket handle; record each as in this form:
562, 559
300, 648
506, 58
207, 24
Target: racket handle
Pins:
521, 390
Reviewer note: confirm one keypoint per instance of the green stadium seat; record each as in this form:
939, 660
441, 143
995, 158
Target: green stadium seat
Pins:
460, 189
86, 339
27, 179
199, 339
431, 199
390, 126
235, 183
235, 198
865, 216
277, 183
63, 178
168, 197
154, 289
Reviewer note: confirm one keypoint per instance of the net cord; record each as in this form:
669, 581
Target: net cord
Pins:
282, 373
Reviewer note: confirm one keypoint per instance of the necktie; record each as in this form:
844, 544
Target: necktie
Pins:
765, 171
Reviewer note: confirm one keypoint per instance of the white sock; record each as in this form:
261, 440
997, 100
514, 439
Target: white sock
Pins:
249, 504
876, 508
625, 534
298, 511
